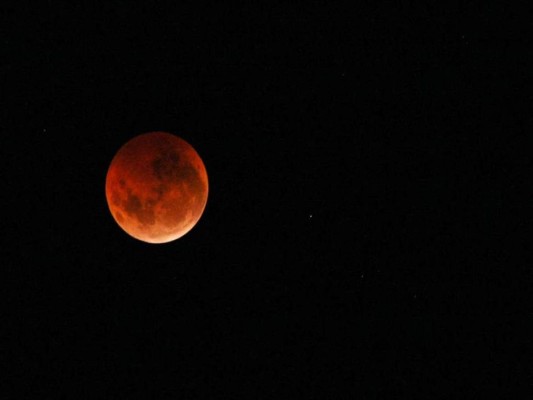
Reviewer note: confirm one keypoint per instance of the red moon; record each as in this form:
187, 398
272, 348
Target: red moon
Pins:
156, 187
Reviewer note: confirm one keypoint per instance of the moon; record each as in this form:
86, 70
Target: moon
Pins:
156, 187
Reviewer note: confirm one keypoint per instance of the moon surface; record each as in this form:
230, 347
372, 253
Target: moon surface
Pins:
156, 187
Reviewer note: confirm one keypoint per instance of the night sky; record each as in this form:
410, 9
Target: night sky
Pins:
366, 232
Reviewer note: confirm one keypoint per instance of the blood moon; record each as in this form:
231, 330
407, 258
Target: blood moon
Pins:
156, 187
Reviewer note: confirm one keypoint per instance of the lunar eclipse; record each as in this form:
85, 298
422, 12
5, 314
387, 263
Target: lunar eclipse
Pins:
156, 187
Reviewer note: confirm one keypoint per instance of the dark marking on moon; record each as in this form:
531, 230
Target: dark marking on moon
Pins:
166, 166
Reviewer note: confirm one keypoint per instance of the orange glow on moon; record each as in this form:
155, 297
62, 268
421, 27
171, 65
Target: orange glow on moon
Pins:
156, 187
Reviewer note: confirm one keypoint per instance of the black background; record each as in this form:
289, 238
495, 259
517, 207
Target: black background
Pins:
366, 233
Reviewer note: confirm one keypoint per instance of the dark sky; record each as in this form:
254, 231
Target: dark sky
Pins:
366, 233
